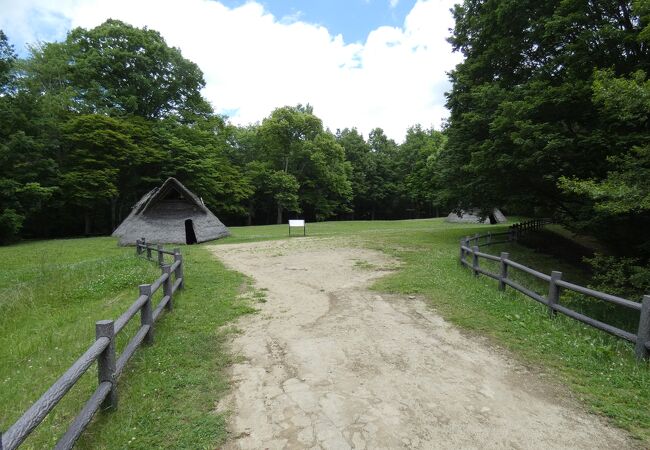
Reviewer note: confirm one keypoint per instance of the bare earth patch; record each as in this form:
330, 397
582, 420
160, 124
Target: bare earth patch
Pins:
329, 364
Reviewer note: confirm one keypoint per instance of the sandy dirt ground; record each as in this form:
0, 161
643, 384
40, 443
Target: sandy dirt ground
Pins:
326, 363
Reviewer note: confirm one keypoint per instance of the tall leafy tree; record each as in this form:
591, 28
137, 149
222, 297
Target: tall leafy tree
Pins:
549, 116
292, 140
24, 170
196, 156
418, 155
95, 147
357, 152
118, 69
521, 104
383, 179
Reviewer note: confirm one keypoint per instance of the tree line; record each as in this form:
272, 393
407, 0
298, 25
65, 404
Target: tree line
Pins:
550, 117
89, 124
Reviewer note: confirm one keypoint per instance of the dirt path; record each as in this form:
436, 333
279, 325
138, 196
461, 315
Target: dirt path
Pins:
328, 364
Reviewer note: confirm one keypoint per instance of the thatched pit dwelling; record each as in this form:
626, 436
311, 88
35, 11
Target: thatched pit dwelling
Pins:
473, 216
170, 214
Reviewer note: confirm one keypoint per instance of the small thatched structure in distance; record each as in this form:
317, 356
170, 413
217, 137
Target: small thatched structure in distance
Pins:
170, 214
473, 216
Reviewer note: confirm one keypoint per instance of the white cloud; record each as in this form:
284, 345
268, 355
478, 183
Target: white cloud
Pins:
254, 62
394, 3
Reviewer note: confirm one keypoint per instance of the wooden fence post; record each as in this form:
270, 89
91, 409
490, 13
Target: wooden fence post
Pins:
475, 263
161, 255
643, 335
462, 254
148, 251
504, 271
137, 252
553, 292
179, 269
489, 238
146, 313
167, 285
106, 361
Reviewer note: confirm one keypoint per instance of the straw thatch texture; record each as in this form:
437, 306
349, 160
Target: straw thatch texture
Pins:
473, 216
161, 214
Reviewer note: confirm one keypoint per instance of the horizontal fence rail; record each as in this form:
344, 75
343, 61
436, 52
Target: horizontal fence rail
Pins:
109, 365
470, 256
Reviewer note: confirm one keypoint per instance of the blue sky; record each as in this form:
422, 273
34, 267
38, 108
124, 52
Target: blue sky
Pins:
359, 63
353, 19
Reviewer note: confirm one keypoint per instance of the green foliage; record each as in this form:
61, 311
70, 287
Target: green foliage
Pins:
118, 69
10, 225
625, 277
7, 59
391, 180
90, 124
522, 112
284, 188
196, 156
549, 116
292, 140
625, 103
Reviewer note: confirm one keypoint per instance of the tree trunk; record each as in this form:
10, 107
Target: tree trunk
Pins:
279, 220
87, 224
113, 213
249, 219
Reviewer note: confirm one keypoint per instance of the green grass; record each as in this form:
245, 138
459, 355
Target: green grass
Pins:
169, 390
51, 294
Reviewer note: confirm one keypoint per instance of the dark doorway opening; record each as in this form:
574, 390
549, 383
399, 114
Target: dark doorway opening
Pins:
493, 219
190, 235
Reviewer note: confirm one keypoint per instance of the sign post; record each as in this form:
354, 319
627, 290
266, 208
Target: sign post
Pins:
298, 223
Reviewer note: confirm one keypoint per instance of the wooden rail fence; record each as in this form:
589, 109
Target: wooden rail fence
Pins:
109, 365
470, 256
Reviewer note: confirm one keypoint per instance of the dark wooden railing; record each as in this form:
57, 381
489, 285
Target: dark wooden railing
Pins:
470, 256
109, 365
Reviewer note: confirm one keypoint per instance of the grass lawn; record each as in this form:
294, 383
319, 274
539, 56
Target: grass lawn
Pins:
52, 292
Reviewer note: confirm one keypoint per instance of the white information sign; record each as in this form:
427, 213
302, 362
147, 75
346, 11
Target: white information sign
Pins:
298, 223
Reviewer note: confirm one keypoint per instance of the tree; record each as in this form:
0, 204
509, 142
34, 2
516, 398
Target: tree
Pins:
292, 140
383, 179
619, 203
7, 60
419, 153
196, 156
23, 167
357, 152
284, 187
118, 69
522, 114
95, 147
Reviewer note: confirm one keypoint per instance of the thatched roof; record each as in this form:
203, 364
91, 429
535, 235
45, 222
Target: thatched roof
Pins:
473, 216
160, 216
